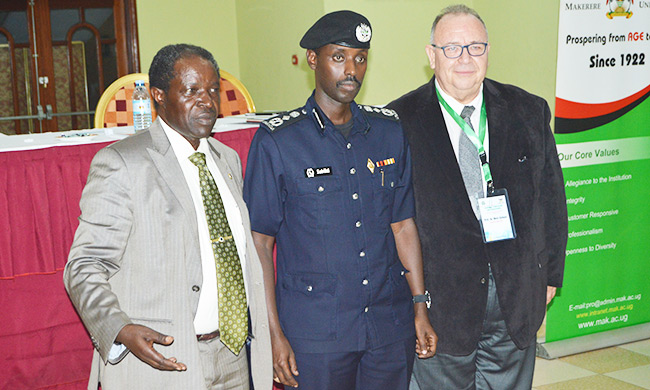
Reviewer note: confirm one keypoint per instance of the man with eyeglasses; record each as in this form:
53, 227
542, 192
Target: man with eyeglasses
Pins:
490, 210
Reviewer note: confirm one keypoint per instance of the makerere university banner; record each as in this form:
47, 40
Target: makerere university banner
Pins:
602, 127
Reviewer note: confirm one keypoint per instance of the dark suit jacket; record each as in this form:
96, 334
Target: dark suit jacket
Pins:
523, 159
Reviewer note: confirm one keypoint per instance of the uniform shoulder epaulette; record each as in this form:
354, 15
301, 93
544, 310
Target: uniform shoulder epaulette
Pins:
285, 119
385, 113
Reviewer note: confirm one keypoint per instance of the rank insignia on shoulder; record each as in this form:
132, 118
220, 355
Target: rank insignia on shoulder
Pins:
314, 172
383, 163
284, 119
380, 112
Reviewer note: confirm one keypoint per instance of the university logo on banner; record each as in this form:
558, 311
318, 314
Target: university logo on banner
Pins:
619, 8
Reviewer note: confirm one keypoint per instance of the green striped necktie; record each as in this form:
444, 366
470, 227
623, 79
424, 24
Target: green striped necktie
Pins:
233, 314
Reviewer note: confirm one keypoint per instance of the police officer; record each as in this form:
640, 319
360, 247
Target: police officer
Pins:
331, 182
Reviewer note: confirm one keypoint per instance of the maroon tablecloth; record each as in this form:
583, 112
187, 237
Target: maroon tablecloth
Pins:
42, 341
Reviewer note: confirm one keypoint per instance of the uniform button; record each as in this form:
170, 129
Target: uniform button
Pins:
352, 171
229, 176
362, 254
321, 189
349, 145
482, 280
365, 310
196, 288
365, 282
309, 288
358, 224
355, 196
539, 265
392, 184
402, 273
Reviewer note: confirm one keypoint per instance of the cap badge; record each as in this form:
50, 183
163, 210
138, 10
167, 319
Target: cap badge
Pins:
363, 33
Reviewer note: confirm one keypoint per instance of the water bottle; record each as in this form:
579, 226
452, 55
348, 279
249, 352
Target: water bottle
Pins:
141, 106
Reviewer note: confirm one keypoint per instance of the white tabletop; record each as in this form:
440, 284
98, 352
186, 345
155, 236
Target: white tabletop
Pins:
10, 143
63, 138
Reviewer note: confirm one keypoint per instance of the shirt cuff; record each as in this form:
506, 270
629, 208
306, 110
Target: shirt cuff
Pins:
117, 353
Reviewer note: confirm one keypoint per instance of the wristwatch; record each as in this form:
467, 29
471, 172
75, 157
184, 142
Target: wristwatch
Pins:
426, 297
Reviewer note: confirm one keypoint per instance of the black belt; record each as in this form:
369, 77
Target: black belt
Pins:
208, 336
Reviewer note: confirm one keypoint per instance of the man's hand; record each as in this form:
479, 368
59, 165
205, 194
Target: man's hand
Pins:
284, 361
140, 339
550, 293
407, 242
427, 340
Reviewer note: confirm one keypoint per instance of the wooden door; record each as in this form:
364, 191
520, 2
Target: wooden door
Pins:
62, 54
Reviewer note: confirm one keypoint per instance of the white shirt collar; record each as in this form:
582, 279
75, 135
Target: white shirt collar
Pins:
456, 105
182, 147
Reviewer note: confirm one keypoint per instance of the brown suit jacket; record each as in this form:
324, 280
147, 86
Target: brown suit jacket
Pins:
135, 259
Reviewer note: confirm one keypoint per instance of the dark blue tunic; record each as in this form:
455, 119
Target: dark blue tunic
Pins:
330, 203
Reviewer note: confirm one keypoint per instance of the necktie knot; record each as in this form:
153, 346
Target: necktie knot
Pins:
198, 159
467, 113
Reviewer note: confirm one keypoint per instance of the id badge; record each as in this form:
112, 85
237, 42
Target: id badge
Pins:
496, 217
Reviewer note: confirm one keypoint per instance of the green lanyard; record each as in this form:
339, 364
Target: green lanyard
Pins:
477, 141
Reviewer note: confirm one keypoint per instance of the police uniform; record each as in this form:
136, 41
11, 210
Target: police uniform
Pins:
329, 201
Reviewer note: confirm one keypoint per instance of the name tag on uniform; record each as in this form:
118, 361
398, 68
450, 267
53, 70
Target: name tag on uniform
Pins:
315, 172
496, 217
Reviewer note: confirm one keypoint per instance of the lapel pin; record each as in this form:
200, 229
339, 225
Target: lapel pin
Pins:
371, 166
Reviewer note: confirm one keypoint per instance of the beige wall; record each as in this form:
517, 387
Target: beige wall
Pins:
397, 62
523, 41
255, 40
208, 23
269, 34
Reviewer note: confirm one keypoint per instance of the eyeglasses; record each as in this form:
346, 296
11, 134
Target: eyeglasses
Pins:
455, 51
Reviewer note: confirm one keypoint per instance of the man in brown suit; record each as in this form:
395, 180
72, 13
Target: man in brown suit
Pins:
141, 270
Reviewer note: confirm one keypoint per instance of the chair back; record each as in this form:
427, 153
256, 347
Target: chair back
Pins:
235, 99
115, 106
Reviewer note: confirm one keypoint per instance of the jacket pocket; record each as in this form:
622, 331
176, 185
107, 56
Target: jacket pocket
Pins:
138, 320
317, 201
539, 274
385, 181
160, 325
540, 266
308, 306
